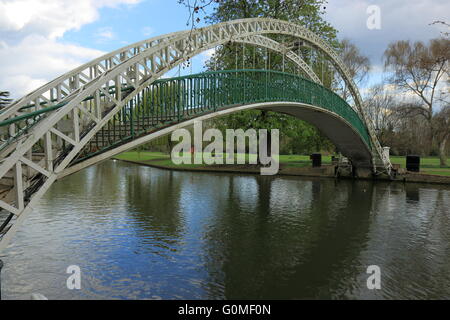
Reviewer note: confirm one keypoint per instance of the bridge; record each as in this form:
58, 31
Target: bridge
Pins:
121, 100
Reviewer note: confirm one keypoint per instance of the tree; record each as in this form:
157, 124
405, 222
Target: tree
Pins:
444, 24
231, 56
442, 131
420, 70
308, 13
4, 101
380, 105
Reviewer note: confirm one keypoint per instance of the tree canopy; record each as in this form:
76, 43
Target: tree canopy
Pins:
420, 70
297, 136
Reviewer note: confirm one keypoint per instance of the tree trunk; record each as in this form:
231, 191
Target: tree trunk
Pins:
269, 138
169, 144
432, 136
442, 153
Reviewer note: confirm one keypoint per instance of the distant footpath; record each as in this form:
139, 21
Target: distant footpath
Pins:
298, 165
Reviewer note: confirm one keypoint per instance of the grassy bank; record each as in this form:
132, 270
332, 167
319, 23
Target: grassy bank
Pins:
429, 165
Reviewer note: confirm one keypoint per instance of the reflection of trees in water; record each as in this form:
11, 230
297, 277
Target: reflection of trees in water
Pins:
147, 199
298, 253
272, 237
153, 197
94, 187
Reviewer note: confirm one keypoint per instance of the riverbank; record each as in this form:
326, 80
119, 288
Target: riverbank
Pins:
173, 235
293, 165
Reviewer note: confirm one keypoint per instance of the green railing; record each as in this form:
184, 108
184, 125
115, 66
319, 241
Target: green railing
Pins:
32, 115
174, 99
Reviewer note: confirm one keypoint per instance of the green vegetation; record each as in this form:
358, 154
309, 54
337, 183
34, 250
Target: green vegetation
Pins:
425, 162
299, 137
438, 172
429, 165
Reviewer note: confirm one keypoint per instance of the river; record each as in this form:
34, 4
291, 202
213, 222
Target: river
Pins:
143, 233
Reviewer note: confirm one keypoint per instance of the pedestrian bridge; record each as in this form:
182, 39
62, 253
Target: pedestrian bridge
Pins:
169, 103
121, 100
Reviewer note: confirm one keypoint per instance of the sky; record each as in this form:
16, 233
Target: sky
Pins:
42, 39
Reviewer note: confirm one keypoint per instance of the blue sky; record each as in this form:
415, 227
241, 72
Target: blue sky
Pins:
130, 23
42, 39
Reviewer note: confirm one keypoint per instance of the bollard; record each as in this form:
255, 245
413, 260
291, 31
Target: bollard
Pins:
316, 160
413, 163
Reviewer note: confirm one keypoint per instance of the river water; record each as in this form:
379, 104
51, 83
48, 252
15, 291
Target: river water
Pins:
142, 233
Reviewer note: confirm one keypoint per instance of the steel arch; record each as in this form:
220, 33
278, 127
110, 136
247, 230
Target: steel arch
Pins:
185, 43
135, 66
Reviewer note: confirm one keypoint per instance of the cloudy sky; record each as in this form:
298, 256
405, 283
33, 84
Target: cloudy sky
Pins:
42, 39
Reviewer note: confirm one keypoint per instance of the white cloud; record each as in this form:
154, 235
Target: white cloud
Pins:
105, 34
31, 50
400, 20
147, 31
36, 60
208, 54
51, 18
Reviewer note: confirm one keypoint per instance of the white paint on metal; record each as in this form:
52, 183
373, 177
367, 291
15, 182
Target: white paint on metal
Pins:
137, 66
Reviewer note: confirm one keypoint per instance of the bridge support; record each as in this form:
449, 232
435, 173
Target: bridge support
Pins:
124, 89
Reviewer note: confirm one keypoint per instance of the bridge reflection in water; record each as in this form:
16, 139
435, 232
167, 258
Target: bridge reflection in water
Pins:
139, 232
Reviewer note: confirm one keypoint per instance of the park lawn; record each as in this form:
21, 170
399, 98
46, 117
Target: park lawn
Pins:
155, 158
169, 164
299, 161
425, 162
142, 156
294, 160
429, 165
438, 172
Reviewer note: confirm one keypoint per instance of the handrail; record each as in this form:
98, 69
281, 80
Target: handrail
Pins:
314, 90
49, 109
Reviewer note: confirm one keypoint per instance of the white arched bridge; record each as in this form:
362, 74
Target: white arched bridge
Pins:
121, 100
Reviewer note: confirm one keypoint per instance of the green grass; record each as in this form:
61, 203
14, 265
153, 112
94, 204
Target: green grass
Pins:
425, 162
142, 156
299, 161
429, 165
439, 172
155, 158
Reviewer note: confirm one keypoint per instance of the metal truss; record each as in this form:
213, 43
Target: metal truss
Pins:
171, 101
268, 43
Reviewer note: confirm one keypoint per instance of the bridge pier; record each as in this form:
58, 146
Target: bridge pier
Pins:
363, 172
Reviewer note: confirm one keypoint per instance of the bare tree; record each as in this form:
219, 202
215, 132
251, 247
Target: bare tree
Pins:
421, 70
442, 130
445, 24
195, 8
381, 108
357, 64
4, 100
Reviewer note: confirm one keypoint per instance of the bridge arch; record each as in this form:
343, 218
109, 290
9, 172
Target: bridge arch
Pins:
134, 68
334, 126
